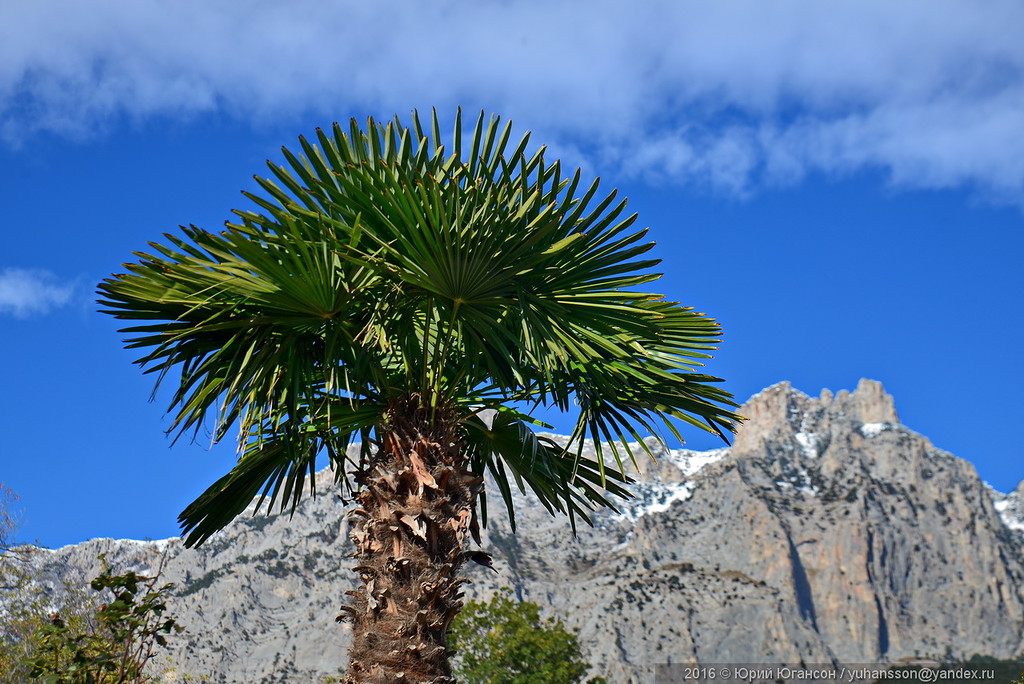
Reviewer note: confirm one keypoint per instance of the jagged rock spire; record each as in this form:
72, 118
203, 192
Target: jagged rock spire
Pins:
782, 410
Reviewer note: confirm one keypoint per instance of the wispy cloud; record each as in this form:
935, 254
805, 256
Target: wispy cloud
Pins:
31, 292
731, 95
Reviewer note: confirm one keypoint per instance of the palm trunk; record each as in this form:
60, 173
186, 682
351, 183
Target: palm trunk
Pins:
417, 503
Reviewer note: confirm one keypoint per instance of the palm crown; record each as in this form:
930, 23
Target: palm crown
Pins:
382, 265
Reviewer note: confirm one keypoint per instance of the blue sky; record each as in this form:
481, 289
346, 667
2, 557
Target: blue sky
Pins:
841, 184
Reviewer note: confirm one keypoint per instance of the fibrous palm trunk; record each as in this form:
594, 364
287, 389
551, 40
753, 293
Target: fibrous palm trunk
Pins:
416, 509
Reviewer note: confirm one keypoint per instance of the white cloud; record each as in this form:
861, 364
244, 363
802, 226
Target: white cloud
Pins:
28, 292
729, 95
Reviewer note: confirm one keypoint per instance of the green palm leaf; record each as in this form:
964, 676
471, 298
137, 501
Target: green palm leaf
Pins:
379, 263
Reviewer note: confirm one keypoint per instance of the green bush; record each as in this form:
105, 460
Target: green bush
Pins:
118, 644
504, 641
27, 605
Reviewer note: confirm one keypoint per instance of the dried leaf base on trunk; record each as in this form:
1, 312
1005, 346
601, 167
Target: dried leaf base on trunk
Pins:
416, 510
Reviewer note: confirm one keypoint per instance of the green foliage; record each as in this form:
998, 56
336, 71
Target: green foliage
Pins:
26, 605
68, 636
28, 612
383, 263
119, 643
504, 641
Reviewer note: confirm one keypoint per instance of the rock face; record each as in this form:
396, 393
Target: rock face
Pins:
827, 533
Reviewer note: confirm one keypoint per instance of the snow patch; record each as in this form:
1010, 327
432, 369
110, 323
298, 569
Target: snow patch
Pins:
1010, 507
808, 441
1011, 513
656, 497
807, 488
680, 492
659, 496
691, 462
870, 430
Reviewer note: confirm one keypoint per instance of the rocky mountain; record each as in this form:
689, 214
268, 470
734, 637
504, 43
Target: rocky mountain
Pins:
828, 532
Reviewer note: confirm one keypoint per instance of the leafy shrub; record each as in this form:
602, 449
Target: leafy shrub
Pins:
117, 645
504, 641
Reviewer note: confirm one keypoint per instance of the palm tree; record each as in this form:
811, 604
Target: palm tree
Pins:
423, 301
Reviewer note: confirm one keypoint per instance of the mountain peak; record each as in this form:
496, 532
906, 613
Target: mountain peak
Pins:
869, 403
781, 406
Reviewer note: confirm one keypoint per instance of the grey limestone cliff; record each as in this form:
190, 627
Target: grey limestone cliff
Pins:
828, 532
